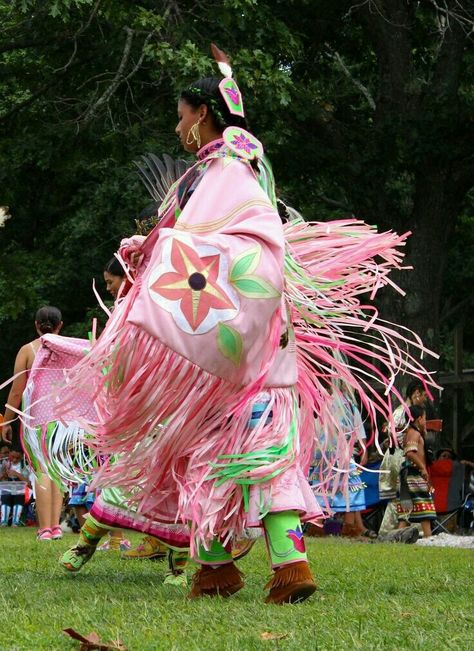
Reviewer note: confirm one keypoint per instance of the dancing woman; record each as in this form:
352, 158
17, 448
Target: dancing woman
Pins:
209, 372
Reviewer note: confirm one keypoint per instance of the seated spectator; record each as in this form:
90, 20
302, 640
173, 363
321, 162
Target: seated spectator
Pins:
448, 476
13, 470
4, 452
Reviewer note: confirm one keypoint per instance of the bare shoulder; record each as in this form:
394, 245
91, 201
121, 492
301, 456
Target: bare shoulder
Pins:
413, 435
26, 355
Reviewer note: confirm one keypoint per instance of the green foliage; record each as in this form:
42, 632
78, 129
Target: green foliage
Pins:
357, 115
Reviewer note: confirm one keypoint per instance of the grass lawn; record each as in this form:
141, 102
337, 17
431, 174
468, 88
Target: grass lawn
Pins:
370, 597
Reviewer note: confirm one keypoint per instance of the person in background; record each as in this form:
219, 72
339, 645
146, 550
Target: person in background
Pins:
4, 452
448, 475
49, 499
114, 276
14, 471
415, 501
81, 501
416, 395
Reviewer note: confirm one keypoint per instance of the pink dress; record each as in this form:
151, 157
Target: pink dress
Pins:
225, 315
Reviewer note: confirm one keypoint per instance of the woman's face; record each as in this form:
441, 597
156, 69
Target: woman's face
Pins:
112, 283
421, 422
445, 456
187, 116
419, 398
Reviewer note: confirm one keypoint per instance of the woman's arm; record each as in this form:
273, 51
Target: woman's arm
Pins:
16, 392
13, 474
411, 449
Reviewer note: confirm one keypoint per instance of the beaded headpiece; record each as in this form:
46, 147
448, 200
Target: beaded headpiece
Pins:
228, 87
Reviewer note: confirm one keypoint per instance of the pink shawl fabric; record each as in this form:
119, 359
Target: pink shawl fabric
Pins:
185, 355
229, 310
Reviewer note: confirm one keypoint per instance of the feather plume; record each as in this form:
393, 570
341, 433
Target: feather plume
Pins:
158, 175
222, 60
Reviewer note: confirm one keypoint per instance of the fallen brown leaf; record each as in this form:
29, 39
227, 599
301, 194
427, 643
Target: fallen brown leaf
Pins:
92, 642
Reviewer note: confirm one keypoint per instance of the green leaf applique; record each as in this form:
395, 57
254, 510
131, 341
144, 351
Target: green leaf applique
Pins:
245, 263
229, 343
245, 281
255, 287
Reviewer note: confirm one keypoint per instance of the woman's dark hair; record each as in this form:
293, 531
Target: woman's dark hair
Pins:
415, 385
114, 268
415, 412
206, 91
48, 318
450, 450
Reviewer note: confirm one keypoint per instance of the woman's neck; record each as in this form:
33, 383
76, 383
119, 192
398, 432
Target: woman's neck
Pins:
210, 147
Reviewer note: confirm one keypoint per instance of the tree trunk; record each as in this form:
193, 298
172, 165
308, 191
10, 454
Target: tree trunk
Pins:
433, 218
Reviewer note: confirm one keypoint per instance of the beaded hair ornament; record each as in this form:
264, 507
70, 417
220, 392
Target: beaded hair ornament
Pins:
228, 86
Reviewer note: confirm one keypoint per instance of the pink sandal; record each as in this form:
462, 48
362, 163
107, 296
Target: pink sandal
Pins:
56, 533
44, 534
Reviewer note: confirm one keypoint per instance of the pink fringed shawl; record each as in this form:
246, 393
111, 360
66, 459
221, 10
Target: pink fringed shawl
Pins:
229, 309
53, 444
187, 352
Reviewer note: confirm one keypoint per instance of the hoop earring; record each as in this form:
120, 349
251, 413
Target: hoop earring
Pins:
195, 135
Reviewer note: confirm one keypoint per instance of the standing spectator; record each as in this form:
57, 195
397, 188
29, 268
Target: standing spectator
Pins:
416, 395
114, 277
415, 502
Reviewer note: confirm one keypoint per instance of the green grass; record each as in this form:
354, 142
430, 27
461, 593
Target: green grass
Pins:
370, 597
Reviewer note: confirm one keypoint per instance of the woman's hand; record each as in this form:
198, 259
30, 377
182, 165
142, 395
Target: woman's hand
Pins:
130, 250
426, 476
7, 433
135, 259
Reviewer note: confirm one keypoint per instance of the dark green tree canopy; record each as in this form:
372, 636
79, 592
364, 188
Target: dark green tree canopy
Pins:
364, 108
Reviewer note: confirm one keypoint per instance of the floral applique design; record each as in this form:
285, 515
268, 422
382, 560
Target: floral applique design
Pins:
243, 143
296, 536
232, 96
210, 148
191, 284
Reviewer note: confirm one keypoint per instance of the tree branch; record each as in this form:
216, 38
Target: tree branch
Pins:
360, 87
41, 90
19, 107
447, 73
29, 44
446, 313
333, 203
140, 60
117, 80
80, 31
454, 10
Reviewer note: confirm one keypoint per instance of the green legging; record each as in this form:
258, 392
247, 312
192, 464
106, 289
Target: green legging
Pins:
284, 537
